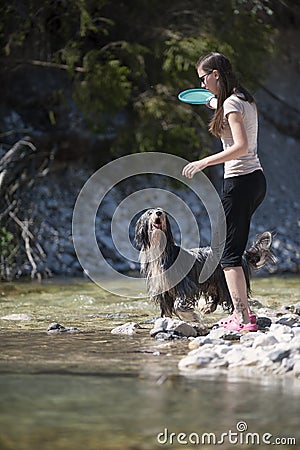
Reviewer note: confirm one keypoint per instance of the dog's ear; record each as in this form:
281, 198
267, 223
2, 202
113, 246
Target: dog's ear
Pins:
169, 234
141, 235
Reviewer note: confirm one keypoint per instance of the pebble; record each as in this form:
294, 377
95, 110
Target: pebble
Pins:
55, 328
128, 328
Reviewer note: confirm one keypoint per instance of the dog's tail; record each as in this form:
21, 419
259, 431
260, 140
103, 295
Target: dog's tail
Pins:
260, 252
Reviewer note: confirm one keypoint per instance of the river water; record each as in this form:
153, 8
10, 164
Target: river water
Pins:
98, 391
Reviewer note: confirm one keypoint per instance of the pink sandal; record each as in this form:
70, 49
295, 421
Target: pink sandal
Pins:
234, 325
231, 323
229, 319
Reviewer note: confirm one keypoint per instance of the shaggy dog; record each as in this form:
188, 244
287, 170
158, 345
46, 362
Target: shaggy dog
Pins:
172, 273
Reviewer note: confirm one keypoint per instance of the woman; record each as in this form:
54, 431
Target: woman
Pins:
244, 187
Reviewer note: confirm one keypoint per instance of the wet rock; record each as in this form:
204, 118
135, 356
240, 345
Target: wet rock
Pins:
247, 339
204, 340
128, 328
168, 336
55, 327
295, 309
278, 354
283, 333
21, 317
166, 324
222, 333
289, 320
265, 340
263, 322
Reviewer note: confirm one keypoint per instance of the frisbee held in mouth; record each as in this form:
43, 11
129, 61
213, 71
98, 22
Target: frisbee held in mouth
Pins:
196, 96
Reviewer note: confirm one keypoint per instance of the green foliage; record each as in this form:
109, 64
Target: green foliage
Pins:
6, 242
128, 60
6, 252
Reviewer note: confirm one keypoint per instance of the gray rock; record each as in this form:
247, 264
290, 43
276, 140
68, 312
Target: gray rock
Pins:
128, 328
265, 340
278, 354
263, 322
185, 329
222, 333
168, 336
223, 349
198, 359
289, 320
204, 340
281, 332
55, 328
249, 338
167, 324
235, 356
296, 309
193, 362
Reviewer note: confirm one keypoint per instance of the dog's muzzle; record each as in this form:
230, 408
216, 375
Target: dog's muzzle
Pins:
157, 220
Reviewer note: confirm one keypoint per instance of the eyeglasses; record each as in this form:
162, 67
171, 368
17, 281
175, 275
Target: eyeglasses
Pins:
202, 79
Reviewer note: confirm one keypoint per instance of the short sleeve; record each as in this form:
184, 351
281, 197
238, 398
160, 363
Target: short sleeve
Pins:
233, 104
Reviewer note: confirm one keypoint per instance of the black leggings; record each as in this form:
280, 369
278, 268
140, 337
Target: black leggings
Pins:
240, 197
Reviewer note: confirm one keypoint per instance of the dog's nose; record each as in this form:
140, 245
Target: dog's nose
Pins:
158, 213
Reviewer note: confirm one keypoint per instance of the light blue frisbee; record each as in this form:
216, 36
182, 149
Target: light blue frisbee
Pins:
195, 96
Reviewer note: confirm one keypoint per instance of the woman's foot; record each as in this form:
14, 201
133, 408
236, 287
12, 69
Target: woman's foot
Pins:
235, 325
224, 322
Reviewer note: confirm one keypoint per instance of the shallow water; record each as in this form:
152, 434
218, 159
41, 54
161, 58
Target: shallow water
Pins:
98, 391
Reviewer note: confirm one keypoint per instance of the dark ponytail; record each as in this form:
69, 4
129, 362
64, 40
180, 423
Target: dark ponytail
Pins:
228, 85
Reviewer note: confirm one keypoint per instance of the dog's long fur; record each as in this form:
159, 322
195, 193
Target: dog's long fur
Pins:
158, 253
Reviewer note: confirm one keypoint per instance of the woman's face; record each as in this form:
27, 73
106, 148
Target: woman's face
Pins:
209, 80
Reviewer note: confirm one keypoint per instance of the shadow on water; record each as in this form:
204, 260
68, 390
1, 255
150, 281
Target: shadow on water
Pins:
98, 391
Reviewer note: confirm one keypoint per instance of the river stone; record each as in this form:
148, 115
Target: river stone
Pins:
168, 336
55, 327
197, 359
222, 333
295, 309
288, 319
235, 356
192, 362
278, 354
223, 349
263, 322
17, 317
248, 338
265, 340
128, 328
204, 340
167, 324
281, 332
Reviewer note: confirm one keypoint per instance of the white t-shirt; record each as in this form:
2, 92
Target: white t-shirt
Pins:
250, 162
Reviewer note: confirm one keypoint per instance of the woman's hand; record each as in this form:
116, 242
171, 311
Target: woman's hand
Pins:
190, 169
